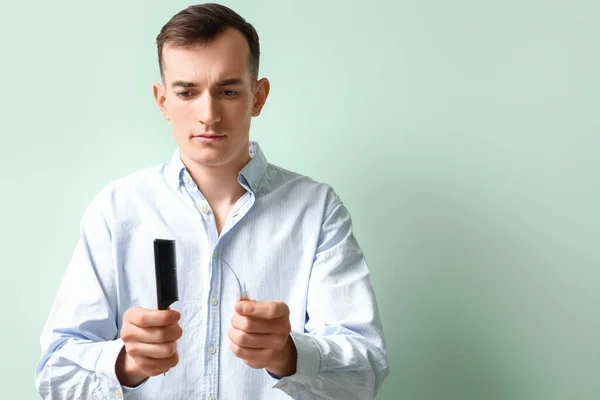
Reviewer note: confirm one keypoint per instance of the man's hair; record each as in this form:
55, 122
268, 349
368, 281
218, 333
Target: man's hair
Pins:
200, 24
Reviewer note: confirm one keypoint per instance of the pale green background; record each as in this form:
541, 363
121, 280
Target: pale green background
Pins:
463, 136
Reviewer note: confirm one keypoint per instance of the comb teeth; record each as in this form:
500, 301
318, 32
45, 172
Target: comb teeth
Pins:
165, 266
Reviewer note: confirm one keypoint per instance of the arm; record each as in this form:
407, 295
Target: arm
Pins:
341, 354
80, 342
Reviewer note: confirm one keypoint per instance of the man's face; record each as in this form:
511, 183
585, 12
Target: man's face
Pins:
209, 96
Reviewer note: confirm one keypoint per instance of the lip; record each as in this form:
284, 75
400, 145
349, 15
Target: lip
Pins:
208, 138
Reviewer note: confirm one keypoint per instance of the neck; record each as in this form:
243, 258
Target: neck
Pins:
219, 184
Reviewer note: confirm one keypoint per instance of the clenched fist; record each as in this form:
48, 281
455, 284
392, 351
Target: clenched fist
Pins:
150, 344
260, 335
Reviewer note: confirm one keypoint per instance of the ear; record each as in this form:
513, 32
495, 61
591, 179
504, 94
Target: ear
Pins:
261, 92
160, 97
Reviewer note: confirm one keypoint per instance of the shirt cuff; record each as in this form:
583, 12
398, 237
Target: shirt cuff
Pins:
308, 361
106, 366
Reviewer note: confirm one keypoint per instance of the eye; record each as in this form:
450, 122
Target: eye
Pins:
229, 93
184, 94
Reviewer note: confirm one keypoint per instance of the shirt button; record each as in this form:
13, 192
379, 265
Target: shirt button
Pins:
212, 349
118, 394
186, 179
205, 210
212, 398
214, 301
215, 254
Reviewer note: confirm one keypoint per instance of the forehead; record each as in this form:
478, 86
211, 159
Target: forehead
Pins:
226, 55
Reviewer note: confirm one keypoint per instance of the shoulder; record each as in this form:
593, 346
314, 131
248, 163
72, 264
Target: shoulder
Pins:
122, 193
300, 187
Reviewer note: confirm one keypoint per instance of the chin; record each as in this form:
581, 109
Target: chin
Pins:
208, 157
210, 154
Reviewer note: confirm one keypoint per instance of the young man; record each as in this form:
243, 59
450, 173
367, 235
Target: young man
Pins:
310, 328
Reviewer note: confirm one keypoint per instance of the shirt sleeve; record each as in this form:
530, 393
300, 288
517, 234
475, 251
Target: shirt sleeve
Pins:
342, 352
80, 342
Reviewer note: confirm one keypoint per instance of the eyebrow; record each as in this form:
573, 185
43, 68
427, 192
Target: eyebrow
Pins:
225, 82
230, 82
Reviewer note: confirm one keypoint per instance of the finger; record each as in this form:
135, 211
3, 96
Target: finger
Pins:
133, 333
262, 309
255, 356
259, 325
145, 318
151, 350
152, 366
255, 365
256, 340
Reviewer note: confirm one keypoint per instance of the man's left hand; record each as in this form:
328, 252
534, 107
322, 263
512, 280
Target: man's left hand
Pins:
260, 335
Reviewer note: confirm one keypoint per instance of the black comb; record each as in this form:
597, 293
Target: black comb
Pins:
165, 265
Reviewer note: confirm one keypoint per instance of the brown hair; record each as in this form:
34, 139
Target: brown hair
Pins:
201, 23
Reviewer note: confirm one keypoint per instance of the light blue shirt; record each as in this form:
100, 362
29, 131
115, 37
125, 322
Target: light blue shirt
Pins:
288, 238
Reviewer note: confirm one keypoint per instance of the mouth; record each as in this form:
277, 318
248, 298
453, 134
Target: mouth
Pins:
208, 137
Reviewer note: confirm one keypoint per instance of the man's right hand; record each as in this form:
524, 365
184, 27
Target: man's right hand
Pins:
150, 344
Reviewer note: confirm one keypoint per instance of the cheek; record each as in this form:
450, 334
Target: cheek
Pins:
181, 118
238, 115
181, 111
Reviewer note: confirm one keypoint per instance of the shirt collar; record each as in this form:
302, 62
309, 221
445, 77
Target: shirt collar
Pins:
250, 176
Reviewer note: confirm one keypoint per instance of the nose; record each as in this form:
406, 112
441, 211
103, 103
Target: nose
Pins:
208, 110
